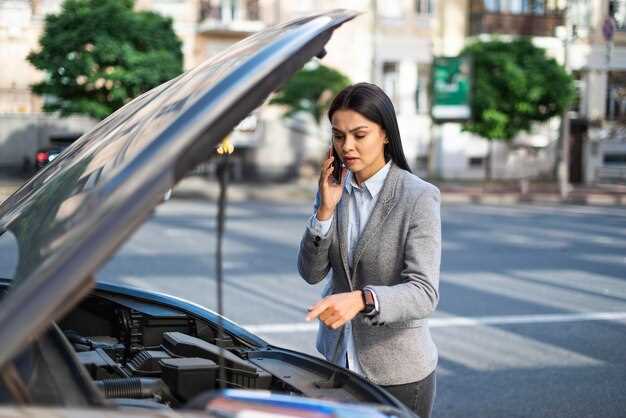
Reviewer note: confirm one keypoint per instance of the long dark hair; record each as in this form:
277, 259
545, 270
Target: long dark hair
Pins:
372, 102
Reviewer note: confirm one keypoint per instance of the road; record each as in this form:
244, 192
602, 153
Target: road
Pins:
532, 317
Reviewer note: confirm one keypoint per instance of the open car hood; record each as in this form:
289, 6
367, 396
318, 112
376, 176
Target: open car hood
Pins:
71, 217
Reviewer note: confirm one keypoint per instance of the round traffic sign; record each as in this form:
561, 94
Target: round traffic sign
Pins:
608, 28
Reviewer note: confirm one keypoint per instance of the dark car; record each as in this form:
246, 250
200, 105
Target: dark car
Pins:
58, 144
66, 341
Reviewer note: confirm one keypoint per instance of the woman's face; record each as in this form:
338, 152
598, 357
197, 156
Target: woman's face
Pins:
359, 142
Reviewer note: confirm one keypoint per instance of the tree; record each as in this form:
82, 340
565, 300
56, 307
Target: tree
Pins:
311, 90
97, 55
515, 85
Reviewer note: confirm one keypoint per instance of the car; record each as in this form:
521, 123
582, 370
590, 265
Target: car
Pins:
69, 341
57, 145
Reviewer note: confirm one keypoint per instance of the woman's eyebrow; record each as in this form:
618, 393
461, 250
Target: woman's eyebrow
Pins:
351, 130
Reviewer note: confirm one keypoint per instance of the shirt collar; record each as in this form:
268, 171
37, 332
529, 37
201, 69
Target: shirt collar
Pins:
373, 184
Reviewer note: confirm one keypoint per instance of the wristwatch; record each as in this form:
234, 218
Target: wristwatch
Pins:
368, 300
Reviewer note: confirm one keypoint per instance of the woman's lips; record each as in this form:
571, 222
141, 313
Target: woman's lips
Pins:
349, 160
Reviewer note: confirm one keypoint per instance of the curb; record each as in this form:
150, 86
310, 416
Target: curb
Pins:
592, 199
304, 192
194, 188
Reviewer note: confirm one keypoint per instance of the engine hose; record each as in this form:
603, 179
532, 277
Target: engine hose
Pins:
131, 387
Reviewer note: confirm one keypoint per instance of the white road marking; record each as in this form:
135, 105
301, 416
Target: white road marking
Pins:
459, 321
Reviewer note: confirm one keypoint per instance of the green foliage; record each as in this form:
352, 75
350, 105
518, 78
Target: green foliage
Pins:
99, 54
515, 84
311, 90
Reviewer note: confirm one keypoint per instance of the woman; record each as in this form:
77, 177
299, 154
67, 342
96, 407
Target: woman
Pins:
379, 230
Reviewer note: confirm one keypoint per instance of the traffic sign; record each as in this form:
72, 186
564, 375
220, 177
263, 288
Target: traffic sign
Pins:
608, 28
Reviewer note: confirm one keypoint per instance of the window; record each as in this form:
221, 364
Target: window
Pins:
303, 6
537, 7
475, 162
579, 13
617, 10
422, 162
15, 17
252, 10
390, 80
515, 6
421, 88
554, 6
424, 7
616, 96
417, 95
492, 5
389, 8
230, 10
617, 159
580, 90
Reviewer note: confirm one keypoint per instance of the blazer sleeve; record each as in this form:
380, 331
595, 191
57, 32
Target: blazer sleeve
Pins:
313, 260
417, 295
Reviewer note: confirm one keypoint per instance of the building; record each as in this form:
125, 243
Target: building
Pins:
461, 155
574, 33
23, 128
597, 58
389, 44
392, 44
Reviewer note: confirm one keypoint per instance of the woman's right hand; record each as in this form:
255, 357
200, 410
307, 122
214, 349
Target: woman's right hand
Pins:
330, 191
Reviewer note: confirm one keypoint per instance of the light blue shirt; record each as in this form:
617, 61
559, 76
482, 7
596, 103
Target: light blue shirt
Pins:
362, 199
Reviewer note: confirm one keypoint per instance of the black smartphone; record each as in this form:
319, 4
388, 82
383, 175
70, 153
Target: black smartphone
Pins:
337, 164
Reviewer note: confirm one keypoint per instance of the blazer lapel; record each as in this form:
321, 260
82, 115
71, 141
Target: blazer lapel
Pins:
342, 226
383, 206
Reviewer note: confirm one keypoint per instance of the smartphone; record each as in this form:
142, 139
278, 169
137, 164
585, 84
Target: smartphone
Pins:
337, 164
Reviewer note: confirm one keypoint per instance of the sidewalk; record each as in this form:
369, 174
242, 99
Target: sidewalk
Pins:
303, 191
601, 194
8, 184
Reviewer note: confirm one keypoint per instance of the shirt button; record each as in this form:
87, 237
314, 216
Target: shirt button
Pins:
317, 238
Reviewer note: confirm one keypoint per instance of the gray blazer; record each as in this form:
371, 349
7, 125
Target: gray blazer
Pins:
398, 254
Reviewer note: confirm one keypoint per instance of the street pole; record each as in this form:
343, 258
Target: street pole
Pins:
563, 169
563, 165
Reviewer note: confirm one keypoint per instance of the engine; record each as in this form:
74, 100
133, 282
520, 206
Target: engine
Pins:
150, 355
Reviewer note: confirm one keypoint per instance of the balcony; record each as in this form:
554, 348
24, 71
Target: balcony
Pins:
230, 17
522, 18
514, 24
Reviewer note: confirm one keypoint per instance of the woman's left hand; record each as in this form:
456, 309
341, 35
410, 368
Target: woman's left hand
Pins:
336, 310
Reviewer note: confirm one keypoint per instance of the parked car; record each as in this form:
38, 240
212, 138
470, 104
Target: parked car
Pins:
68, 342
58, 144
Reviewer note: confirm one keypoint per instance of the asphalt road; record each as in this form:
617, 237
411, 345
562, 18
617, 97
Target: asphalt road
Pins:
532, 317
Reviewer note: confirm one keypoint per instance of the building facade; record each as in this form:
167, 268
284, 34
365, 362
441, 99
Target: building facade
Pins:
391, 44
597, 58
589, 38
462, 155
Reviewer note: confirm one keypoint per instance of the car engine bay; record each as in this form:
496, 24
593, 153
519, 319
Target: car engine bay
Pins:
137, 350
147, 355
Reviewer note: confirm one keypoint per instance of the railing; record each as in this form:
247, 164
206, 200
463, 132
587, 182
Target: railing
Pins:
514, 24
611, 173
